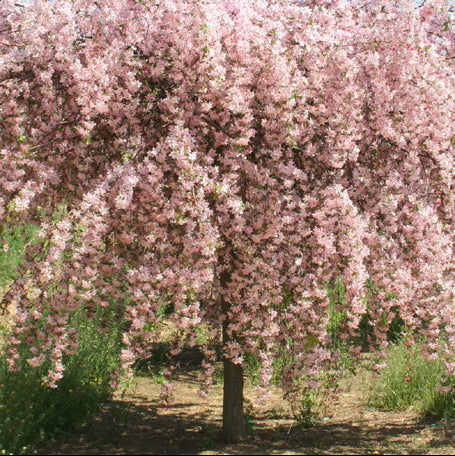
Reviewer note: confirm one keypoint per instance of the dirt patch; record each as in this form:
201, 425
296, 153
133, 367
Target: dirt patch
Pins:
135, 424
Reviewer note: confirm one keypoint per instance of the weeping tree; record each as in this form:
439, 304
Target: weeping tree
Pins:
223, 160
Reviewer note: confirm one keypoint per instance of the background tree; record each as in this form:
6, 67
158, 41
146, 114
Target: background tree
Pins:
215, 163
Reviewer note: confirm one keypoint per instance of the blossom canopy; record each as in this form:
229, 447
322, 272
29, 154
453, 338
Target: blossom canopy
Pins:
215, 163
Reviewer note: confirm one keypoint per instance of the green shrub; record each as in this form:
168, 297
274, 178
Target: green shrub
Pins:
306, 407
15, 239
337, 318
30, 411
411, 379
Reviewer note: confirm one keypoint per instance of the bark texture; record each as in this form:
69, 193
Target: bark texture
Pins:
234, 429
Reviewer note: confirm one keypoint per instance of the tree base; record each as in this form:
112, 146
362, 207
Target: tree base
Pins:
234, 428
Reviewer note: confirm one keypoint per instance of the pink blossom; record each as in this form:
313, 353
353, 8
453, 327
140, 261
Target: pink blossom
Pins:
37, 360
445, 389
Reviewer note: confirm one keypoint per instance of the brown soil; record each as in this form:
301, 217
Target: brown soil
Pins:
135, 424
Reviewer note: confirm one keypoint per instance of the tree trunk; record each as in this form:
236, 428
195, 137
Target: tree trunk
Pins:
234, 429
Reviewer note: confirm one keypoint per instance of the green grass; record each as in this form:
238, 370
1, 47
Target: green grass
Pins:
16, 238
410, 379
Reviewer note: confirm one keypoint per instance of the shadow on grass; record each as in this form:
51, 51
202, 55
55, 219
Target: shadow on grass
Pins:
348, 438
124, 427
444, 435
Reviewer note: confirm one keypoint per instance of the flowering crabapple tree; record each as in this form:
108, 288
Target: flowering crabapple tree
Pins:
224, 160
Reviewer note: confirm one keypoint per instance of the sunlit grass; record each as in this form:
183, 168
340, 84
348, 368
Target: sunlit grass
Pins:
411, 379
